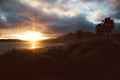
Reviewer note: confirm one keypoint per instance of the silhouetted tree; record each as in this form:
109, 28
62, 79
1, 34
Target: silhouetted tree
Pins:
100, 29
109, 25
106, 27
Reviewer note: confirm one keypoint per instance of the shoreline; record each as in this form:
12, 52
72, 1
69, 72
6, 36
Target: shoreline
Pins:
40, 49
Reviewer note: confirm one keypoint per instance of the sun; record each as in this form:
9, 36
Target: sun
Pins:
32, 36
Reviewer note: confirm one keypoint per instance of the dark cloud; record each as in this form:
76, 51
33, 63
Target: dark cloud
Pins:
10, 11
116, 15
115, 7
91, 1
49, 1
2, 1
117, 28
21, 14
73, 24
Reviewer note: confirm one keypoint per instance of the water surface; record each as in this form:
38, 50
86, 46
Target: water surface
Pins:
5, 46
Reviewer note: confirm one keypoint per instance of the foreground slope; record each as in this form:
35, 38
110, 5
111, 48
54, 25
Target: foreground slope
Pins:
93, 59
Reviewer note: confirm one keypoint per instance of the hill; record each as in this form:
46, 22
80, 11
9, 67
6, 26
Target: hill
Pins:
72, 37
91, 59
10, 40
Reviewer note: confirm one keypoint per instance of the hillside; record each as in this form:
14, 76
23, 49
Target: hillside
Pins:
93, 59
72, 37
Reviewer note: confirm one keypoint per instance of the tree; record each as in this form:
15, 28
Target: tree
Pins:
109, 25
100, 29
106, 27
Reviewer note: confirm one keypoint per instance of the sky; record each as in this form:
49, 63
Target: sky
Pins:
54, 17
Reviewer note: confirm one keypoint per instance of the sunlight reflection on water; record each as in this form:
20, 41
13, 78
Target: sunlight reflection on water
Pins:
5, 46
34, 45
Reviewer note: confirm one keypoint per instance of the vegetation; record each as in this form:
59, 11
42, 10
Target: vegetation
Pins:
106, 27
93, 59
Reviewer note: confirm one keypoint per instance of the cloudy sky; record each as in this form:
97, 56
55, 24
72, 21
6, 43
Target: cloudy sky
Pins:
54, 17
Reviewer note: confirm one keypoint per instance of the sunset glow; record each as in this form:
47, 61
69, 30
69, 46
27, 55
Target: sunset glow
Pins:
32, 36
53, 17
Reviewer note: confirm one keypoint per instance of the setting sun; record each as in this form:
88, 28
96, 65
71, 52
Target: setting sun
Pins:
32, 36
